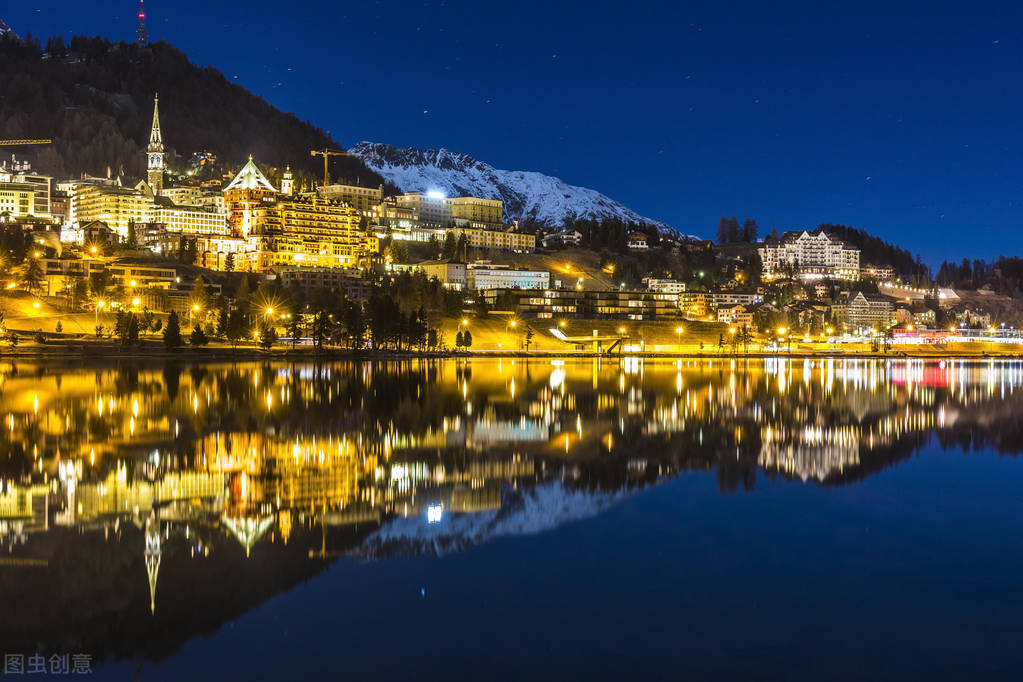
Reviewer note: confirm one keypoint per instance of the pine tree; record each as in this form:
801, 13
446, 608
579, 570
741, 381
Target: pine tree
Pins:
172, 332
749, 230
723, 230
267, 335
198, 337
733, 229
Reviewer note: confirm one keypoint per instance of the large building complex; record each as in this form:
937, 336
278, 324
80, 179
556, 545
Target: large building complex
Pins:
291, 230
809, 255
436, 210
24, 193
573, 303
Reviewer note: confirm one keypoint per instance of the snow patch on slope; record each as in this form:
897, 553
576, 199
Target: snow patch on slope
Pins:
526, 194
523, 512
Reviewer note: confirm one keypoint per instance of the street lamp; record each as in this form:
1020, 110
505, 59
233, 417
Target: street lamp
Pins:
195, 309
99, 304
678, 333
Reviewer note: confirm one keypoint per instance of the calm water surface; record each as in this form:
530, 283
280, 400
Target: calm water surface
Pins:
845, 520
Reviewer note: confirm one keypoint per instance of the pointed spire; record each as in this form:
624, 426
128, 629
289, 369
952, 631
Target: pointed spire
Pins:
155, 138
152, 555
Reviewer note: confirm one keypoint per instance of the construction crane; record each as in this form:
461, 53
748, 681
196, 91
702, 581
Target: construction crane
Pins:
18, 143
326, 154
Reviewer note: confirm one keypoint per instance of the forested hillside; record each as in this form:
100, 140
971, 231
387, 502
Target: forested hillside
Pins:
94, 99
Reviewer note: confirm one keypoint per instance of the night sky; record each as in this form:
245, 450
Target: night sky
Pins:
905, 122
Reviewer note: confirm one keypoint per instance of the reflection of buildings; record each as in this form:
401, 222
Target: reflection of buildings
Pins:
216, 463
811, 452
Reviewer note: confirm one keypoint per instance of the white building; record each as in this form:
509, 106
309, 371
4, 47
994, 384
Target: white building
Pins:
665, 286
809, 255
485, 275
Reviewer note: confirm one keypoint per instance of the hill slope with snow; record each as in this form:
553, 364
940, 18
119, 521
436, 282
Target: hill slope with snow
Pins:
526, 194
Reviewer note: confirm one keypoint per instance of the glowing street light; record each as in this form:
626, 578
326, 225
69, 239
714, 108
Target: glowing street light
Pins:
99, 304
678, 333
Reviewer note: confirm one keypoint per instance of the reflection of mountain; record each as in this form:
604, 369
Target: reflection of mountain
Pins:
294, 465
522, 511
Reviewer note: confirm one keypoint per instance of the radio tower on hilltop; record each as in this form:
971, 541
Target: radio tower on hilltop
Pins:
142, 37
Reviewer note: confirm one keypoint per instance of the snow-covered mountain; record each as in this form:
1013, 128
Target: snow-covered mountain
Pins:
5, 29
526, 194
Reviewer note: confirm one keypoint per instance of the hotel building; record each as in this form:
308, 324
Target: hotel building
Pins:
809, 255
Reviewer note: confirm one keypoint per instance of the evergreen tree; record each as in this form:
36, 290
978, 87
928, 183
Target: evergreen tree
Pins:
295, 329
172, 332
32, 277
467, 339
749, 230
733, 229
450, 245
321, 328
198, 337
267, 335
235, 327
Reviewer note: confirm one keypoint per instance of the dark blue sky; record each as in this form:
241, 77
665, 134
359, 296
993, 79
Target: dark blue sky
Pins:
905, 122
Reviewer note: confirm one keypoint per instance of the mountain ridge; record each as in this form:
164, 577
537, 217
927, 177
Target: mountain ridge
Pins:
528, 196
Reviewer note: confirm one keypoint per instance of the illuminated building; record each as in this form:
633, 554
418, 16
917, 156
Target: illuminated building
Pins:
485, 275
113, 205
809, 255
735, 314
859, 311
573, 303
225, 252
21, 175
350, 281
363, 199
187, 220
499, 240
665, 286
16, 200
436, 210
637, 241
247, 192
451, 274
882, 273
701, 305
292, 230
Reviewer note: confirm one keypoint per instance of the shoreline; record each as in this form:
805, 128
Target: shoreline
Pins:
77, 351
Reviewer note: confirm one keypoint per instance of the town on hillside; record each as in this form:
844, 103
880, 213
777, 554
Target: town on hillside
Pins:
260, 258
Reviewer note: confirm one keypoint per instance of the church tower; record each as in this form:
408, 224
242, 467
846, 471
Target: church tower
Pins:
288, 182
155, 150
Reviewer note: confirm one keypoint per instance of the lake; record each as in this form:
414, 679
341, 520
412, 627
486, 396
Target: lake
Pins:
514, 519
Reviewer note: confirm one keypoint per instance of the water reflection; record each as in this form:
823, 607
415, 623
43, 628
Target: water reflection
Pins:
142, 505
